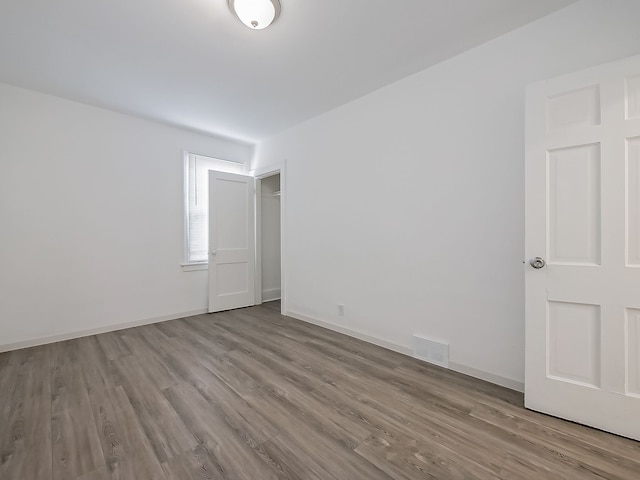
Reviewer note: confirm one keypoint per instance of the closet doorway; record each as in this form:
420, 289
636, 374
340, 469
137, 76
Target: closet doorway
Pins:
268, 238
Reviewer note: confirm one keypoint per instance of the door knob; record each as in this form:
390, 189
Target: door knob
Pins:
213, 252
537, 262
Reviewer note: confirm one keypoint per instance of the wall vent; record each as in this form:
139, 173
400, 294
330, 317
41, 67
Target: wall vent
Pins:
431, 351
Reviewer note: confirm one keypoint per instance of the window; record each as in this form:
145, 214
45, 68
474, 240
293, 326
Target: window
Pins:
196, 199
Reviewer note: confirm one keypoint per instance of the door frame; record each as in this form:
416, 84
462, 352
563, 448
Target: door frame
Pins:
259, 174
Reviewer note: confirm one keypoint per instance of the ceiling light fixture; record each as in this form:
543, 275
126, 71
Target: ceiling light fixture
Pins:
256, 14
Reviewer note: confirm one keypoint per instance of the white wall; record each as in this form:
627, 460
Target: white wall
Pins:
270, 231
91, 217
407, 205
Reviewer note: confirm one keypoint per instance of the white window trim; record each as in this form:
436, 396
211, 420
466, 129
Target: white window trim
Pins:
194, 267
186, 265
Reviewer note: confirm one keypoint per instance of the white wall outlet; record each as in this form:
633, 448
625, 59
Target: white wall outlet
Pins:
341, 310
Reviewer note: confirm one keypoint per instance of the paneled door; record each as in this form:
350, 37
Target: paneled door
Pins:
231, 241
582, 244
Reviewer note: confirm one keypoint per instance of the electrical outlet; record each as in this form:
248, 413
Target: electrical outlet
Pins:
341, 310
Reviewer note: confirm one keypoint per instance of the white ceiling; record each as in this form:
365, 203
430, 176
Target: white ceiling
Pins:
192, 63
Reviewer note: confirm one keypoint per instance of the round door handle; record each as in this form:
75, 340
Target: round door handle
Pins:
537, 262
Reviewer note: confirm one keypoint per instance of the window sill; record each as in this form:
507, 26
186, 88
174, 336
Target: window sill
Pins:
192, 267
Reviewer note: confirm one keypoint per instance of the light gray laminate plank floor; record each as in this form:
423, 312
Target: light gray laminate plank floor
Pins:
250, 394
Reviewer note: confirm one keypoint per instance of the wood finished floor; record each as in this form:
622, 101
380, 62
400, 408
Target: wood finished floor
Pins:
250, 394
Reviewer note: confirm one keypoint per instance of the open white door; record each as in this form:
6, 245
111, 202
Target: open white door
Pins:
583, 219
231, 241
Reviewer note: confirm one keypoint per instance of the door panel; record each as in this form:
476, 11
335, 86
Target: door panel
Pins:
574, 109
231, 241
583, 216
574, 343
633, 351
632, 97
574, 205
633, 202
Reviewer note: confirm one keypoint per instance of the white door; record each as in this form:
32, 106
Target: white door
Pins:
231, 241
583, 219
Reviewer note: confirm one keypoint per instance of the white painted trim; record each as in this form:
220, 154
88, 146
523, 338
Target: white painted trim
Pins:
352, 333
283, 237
487, 376
473, 372
259, 174
268, 170
186, 265
258, 241
185, 208
271, 294
192, 267
456, 367
95, 331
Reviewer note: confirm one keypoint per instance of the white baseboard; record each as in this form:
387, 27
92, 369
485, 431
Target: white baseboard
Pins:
457, 367
270, 294
352, 333
473, 372
95, 331
516, 385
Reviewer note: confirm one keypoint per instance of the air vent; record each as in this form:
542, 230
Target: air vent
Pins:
431, 351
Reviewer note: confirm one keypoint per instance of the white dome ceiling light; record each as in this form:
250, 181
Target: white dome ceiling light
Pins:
256, 14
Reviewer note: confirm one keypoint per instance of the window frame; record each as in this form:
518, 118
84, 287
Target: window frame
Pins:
224, 165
